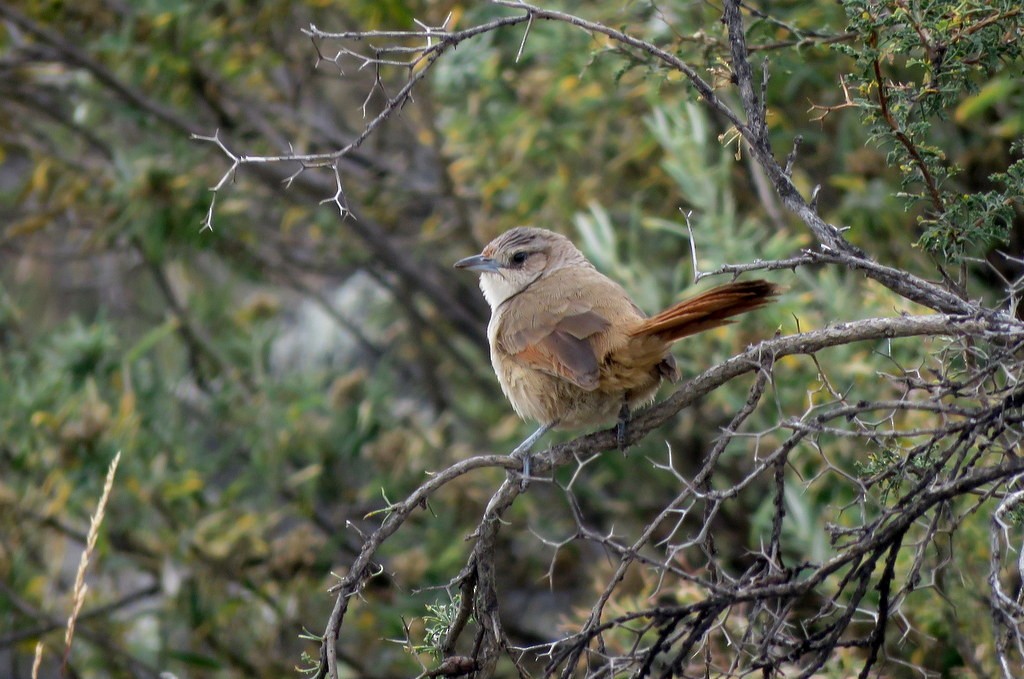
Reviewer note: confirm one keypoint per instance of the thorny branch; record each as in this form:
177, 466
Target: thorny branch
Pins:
943, 447
862, 548
418, 66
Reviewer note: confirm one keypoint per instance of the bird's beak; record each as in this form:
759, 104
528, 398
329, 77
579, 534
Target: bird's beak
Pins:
478, 263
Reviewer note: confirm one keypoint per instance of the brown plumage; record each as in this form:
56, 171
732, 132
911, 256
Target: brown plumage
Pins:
568, 345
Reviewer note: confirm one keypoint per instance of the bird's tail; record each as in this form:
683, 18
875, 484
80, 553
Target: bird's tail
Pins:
707, 310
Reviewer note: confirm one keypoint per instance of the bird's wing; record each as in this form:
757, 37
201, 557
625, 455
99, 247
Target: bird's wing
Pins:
558, 342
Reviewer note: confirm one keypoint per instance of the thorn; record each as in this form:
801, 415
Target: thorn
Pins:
791, 158
526, 33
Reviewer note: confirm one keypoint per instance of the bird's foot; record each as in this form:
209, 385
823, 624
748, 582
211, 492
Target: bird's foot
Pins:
523, 453
622, 428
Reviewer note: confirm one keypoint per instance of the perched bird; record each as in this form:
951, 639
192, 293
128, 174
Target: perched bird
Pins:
569, 346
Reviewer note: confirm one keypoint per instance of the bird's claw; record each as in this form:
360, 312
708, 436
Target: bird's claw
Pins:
525, 456
522, 451
622, 428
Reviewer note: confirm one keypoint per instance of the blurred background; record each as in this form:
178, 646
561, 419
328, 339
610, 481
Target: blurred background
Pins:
272, 380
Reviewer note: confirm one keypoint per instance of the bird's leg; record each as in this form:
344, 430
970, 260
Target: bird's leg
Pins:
523, 450
622, 427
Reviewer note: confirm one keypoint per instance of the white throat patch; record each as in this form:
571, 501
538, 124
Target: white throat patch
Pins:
497, 288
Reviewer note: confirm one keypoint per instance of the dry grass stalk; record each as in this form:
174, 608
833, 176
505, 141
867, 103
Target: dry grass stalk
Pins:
80, 588
38, 660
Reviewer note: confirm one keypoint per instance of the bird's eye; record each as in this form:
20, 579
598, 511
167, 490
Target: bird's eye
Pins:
519, 258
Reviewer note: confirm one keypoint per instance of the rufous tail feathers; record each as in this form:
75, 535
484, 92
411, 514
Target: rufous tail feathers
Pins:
707, 310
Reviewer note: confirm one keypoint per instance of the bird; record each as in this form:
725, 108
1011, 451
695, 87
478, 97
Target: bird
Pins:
569, 346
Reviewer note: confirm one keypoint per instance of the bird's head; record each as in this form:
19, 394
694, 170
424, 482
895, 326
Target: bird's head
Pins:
516, 259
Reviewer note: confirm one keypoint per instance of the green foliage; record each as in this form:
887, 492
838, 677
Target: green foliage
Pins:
246, 479
969, 220
81, 351
1016, 516
436, 624
915, 64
